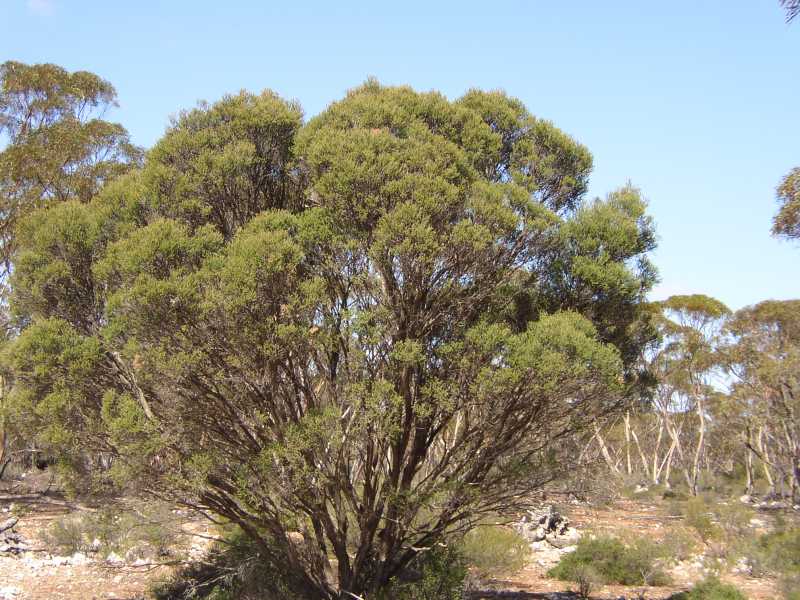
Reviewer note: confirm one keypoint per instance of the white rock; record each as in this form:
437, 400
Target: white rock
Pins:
9, 592
114, 559
79, 558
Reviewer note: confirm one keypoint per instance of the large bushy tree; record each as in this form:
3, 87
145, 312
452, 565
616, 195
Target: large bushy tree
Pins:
353, 337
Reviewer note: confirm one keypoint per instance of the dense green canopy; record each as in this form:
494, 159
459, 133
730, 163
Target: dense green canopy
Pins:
371, 329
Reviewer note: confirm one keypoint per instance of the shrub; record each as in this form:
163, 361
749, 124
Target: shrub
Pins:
586, 578
233, 570
711, 589
494, 550
148, 531
790, 587
438, 574
678, 543
781, 551
614, 562
67, 535
698, 517
734, 520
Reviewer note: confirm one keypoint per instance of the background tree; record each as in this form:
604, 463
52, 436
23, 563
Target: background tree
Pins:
787, 221
792, 8
353, 338
765, 358
687, 362
57, 145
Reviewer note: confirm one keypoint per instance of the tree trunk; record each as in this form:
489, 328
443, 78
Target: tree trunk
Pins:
628, 442
698, 452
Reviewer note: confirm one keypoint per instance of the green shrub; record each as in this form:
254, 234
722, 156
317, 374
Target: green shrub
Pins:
698, 516
494, 550
437, 574
67, 534
711, 589
586, 577
232, 570
614, 562
679, 543
734, 520
781, 551
148, 531
790, 587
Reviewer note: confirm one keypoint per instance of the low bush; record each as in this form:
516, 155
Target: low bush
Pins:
437, 574
679, 543
67, 534
148, 531
232, 570
638, 563
586, 578
790, 587
697, 515
710, 589
781, 551
495, 550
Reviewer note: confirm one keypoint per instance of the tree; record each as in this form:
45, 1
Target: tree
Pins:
787, 221
353, 338
58, 148
686, 363
765, 358
792, 8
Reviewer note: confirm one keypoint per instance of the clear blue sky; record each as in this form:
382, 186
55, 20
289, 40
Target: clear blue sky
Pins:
696, 102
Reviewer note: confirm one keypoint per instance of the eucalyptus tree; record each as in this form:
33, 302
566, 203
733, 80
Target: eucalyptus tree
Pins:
765, 358
691, 328
57, 146
353, 337
787, 220
54, 147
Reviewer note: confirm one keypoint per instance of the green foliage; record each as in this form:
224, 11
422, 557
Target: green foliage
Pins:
396, 310
679, 543
787, 220
698, 516
711, 589
436, 574
234, 569
779, 551
495, 550
150, 531
614, 562
586, 577
68, 534
59, 148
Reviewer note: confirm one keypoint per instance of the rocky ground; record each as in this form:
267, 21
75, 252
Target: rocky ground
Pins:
29, 570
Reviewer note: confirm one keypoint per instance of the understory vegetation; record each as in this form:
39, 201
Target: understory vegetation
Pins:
605, 559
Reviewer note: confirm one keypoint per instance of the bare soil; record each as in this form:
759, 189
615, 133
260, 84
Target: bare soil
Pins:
41, 574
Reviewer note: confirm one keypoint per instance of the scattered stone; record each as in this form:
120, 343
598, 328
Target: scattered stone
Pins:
746, 499
114, 559
9, 592
8, 524
756, 522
